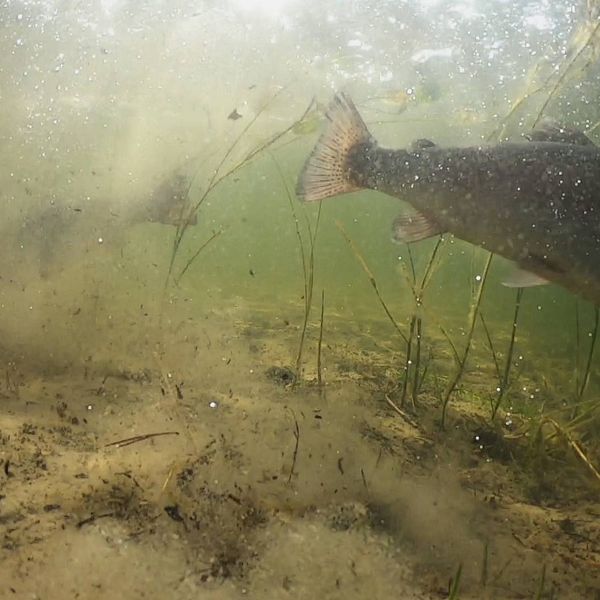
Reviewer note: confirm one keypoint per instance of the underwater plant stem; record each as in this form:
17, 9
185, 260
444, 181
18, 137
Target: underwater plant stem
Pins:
429, 270
303, 262
408, 361
416, 374
319, 375
296, 225
463, 360
504, 383
455, 584
540, 591
484, 565
492, 349
574, 445
497, 133
217, 177
212, 183
188, 264
308, 291
588, 366
372, 279
565, 72
452, 345
296, 432
577, 348
139, 438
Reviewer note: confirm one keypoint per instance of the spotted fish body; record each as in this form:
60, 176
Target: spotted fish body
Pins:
536, 203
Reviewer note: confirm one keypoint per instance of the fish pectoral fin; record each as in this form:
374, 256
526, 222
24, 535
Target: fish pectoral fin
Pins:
413, 226
421, 144
520, 278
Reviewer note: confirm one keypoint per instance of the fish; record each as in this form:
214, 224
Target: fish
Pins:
535, 202
168, 203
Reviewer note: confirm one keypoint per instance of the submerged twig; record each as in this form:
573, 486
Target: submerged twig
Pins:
574, 445
296, 433
139, 438
402, 413
93, 518
484, 565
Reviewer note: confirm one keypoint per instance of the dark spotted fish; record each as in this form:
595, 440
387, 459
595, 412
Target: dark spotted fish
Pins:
536, 203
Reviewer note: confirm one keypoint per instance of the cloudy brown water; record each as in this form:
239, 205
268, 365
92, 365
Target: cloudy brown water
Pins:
161, 435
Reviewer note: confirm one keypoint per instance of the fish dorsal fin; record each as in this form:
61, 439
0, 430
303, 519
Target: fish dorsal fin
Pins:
421, 144
413, 226
520, 278
552, 131
326, 171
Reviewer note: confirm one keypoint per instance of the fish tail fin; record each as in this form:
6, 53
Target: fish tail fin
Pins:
326, 171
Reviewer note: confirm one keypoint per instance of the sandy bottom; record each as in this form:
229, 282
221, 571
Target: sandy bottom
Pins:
261, 489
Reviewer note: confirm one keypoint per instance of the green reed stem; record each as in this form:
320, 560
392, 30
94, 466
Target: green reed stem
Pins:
577, 348
407, 363
504, 383
592, 348
417, 377
485, 565
492, 349
188, 264
372, 280
308, 293
542, 584
463, 360
218, 178
455, 584
565, 72
319, 377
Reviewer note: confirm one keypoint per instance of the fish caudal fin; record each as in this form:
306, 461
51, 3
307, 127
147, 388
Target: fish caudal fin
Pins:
326, 171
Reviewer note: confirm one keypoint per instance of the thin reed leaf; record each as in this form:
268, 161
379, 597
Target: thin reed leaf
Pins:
452, 345
319, 375
188, 264
492, 349
372, 280
407, 363
455, 584
463, 359
563, 75
542, 584
217, 177
484, 565
504, 382
309, 281
592, 348
417, 362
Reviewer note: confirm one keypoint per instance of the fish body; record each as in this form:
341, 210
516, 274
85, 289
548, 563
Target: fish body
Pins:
536, 203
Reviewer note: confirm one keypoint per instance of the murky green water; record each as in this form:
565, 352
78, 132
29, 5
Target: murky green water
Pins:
260, 470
